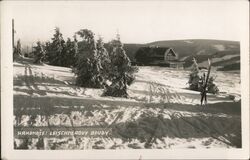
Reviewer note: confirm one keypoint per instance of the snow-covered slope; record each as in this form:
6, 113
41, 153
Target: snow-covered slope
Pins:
159, 113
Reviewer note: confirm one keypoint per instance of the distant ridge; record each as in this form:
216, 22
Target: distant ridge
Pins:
228, 52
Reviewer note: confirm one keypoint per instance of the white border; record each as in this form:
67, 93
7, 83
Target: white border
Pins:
7, 109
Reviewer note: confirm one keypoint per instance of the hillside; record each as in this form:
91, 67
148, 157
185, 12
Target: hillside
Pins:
217, 50
131, 49
160, 113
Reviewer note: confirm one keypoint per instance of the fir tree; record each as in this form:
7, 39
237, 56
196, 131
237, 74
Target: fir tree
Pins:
17, 50
18, 47
56, 49
75, 53
88, 65
68, 58
47, 48
75, 42
211, 87
104, 58
197, 82
194, 77
39, 53
121, 74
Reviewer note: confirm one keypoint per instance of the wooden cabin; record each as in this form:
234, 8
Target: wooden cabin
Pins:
162, 56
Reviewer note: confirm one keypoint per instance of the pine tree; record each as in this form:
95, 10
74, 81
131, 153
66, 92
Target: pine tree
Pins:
75, 55
68, 58
194, 77
17, 50
75, 42
197, 82
56, 49
104, 58
39, 53
121, 74
88, 65
47, 48
211, 87
18, 47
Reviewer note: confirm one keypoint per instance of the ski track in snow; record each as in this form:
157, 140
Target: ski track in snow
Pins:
46, 96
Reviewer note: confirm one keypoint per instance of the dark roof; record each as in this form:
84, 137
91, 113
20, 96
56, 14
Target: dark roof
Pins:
172, 53
159, 51
155, 51
179, 61
147, 54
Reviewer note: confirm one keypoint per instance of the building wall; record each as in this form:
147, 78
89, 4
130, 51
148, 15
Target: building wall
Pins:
176, 65
167, 59
168, 55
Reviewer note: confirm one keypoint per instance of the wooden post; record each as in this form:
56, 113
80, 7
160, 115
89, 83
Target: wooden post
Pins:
13, 37
27, 51
204, 92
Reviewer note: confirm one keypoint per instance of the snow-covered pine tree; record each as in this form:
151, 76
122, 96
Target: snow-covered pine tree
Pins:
39, 53
68, 58
88, 65
122, 73
18, 47
194, 76
75, 42
17, 50
56, 49
75, 50
47, 46
196, 81
104, 59
211, 87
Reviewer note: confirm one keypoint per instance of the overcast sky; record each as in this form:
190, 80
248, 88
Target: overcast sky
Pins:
136, 22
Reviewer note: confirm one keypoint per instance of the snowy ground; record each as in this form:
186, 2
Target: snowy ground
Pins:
160, 113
